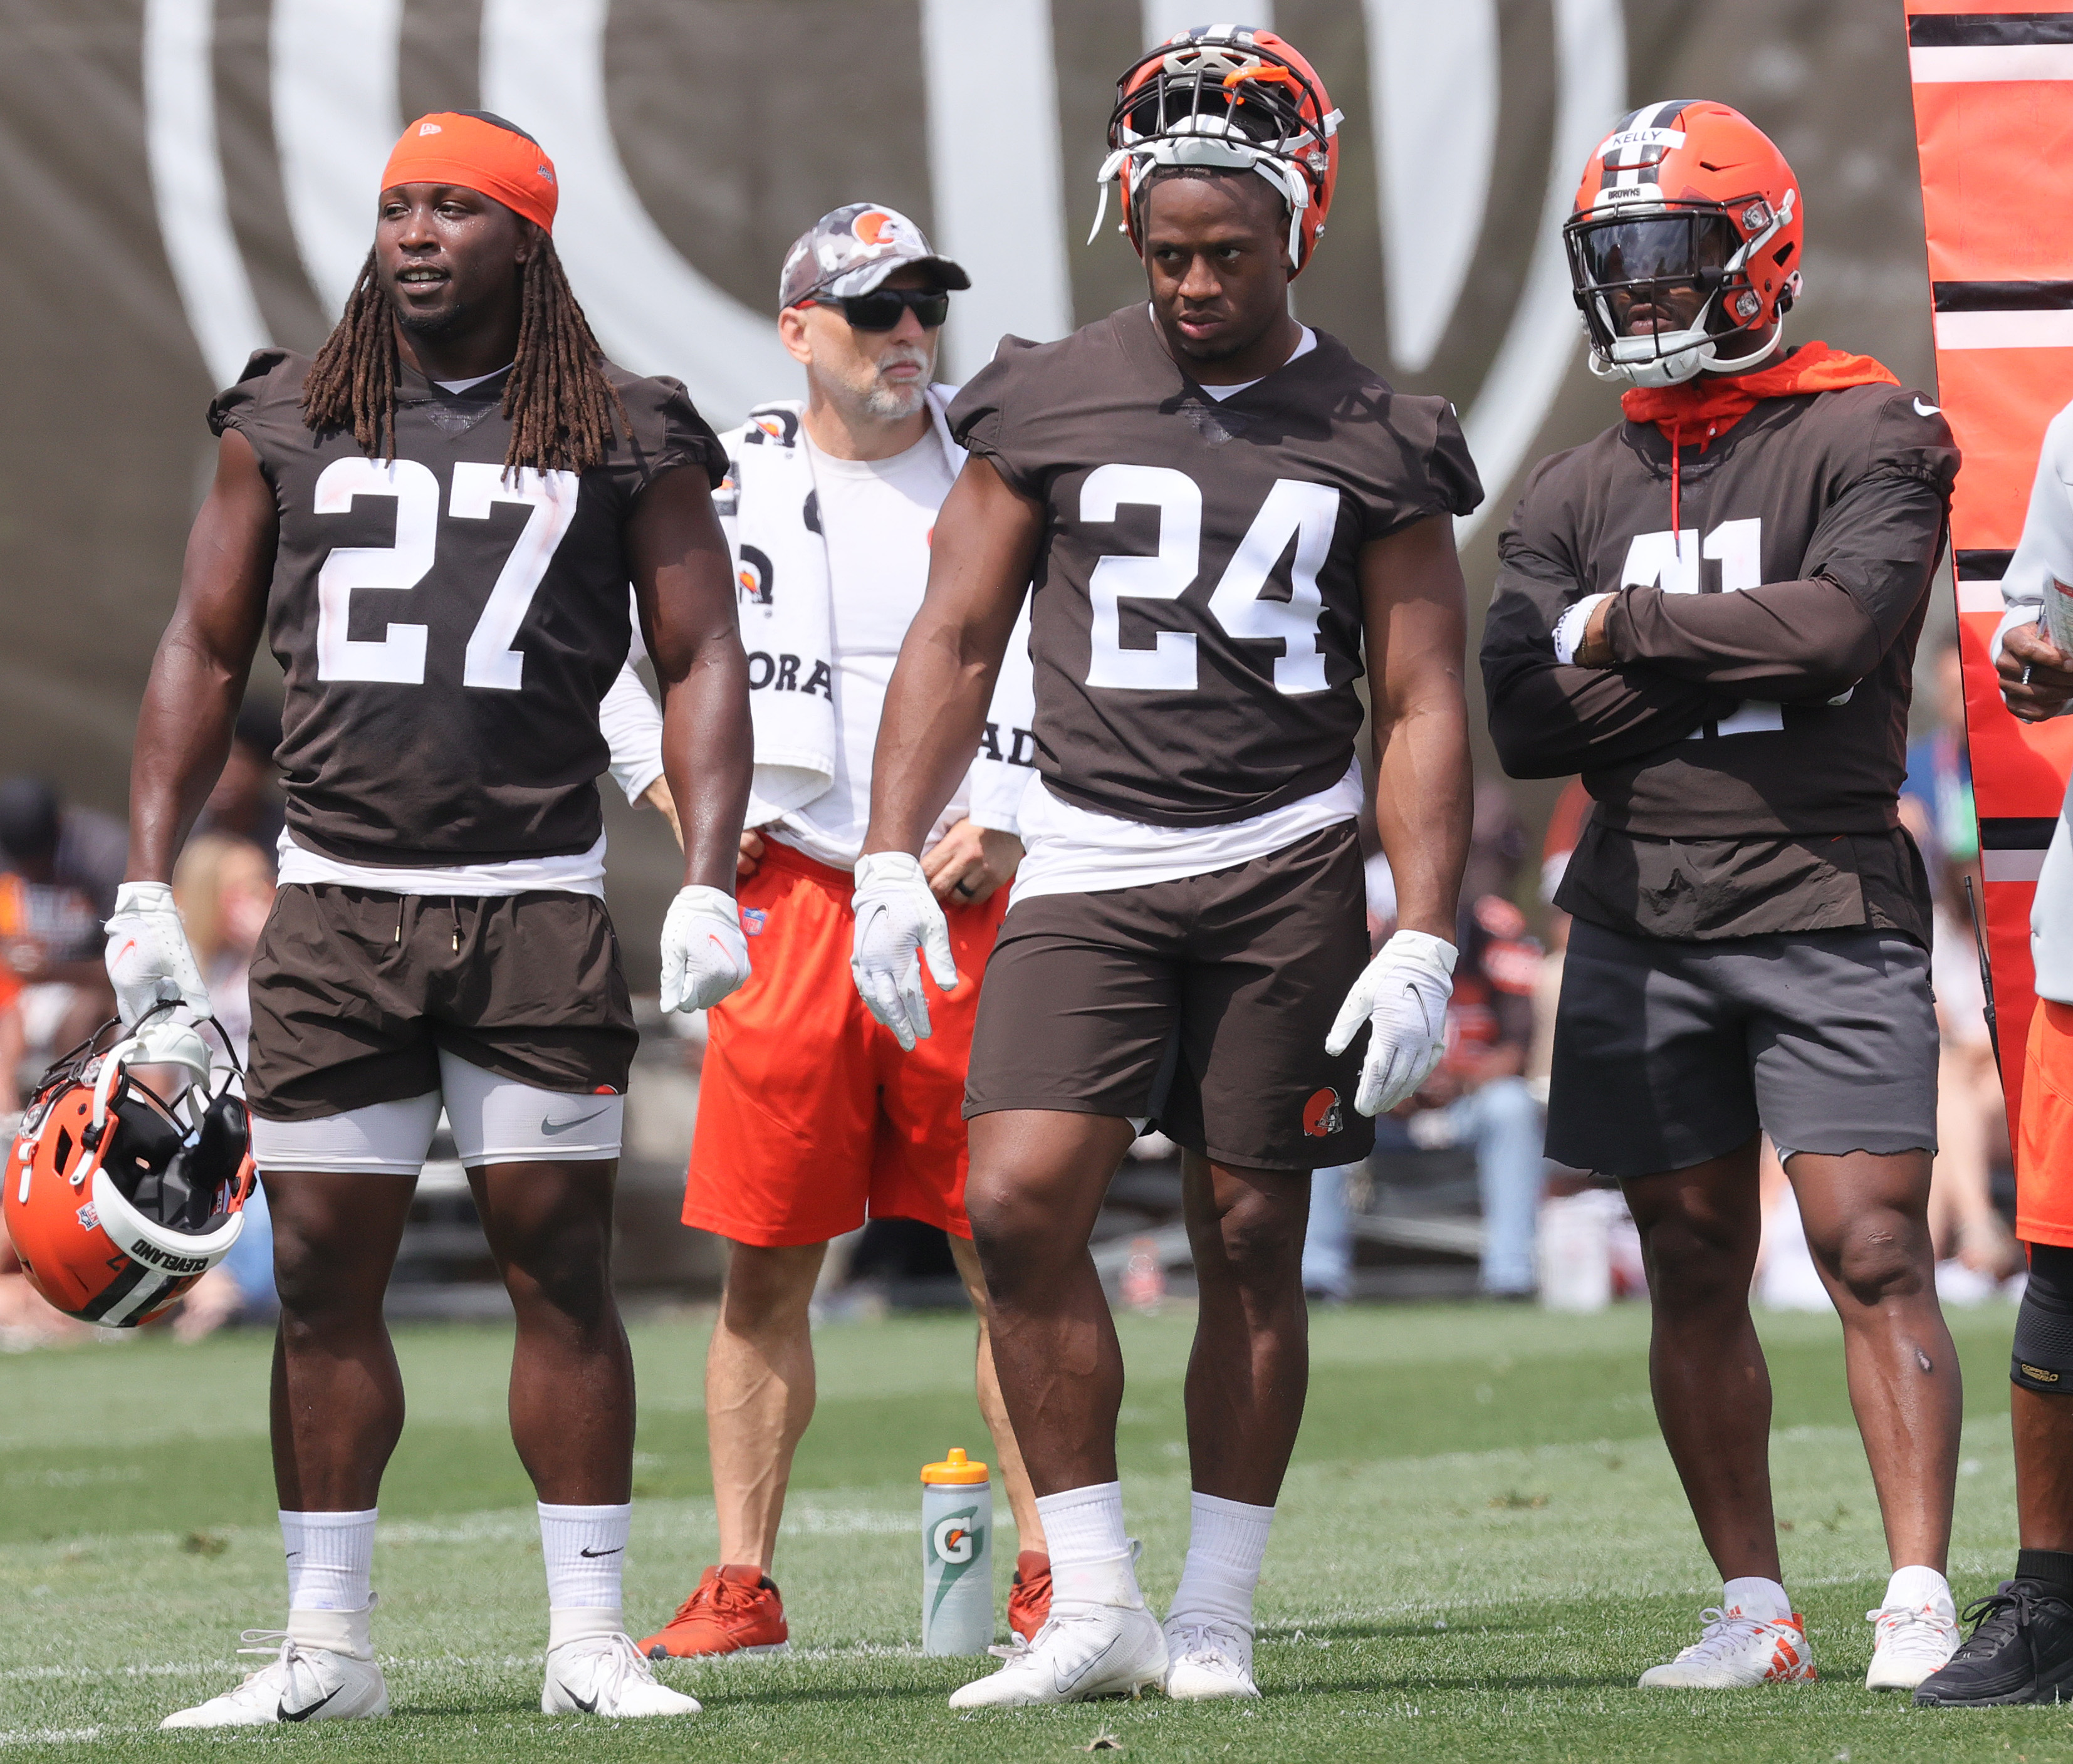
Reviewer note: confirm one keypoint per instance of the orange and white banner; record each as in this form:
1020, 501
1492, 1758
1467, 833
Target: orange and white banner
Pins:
1993, 121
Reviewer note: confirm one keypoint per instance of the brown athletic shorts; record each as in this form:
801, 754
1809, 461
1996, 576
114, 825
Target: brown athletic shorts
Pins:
1200, 1006
354, 993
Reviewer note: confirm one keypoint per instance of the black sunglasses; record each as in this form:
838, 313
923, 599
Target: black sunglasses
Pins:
880, 309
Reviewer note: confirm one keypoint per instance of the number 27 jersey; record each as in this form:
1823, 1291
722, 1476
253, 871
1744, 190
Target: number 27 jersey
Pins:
1196, 628
447, 628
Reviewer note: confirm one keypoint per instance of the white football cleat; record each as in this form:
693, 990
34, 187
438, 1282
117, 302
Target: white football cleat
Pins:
1733, 1650
1912, 1642
1084, 1650
607, 1674
1208, 1657
304, 1683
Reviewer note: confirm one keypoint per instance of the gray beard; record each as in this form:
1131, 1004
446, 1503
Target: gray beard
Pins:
889, 402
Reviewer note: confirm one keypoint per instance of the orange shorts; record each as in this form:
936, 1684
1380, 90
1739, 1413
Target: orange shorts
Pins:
810, 1119
2044, 1132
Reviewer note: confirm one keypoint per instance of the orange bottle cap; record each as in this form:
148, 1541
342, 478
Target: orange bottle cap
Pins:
956, 1467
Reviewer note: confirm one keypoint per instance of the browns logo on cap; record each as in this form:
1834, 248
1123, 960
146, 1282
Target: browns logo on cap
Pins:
478, 151
852, 250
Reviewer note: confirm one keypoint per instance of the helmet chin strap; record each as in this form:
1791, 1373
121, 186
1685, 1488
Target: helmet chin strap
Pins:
1680, 356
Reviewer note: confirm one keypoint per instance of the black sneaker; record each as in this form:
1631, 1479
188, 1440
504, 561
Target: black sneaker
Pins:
2021, 1651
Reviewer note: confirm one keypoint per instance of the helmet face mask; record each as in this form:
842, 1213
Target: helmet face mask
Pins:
1227, 99
1713, 260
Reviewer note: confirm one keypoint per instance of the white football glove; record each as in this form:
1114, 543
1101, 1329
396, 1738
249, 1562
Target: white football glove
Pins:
705, 956
898, 922
148, 956
1403, 994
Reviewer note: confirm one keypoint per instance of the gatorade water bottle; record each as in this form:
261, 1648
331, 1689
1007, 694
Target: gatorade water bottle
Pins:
956, 1556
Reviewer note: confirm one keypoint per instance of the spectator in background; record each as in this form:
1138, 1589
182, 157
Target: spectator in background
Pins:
1478, 1096
247, 801
1971, 1123
224, 887
59, 867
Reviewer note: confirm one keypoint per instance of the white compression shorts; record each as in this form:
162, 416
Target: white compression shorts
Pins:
495, 1120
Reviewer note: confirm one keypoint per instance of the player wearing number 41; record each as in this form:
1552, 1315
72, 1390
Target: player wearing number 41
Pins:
1750, 944
1229, 520
435, 520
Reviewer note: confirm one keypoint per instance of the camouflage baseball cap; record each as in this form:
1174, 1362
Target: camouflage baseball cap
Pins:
853, 248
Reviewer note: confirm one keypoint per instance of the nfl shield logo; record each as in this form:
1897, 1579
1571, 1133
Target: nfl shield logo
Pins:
753, 920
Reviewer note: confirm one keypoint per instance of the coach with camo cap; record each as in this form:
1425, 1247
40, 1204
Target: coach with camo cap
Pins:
810, 1119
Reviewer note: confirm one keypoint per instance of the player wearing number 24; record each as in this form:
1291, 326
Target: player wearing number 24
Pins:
1711, 612
435, 522
1230, 522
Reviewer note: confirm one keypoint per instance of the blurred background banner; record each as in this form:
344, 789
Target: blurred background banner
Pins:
1993, 109
186, 179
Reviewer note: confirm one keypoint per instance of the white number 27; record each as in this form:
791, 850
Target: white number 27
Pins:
398, 656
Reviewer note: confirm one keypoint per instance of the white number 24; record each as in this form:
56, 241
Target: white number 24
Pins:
1306, 513
398, 656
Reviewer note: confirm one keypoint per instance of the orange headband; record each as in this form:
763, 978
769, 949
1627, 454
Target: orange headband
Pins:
446, 147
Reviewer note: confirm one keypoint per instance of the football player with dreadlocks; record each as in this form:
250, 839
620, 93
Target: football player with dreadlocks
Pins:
1230, 522
435, 520
1711, 612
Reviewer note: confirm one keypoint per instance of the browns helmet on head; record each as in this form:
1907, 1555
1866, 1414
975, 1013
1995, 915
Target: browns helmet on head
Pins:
1687, 194
1227, 98
116, 1201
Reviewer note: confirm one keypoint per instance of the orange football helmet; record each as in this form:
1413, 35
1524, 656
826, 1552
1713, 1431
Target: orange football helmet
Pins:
116, 1201
1236, 99
1688, 194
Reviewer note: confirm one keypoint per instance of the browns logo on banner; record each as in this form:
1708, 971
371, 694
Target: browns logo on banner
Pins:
1993, 121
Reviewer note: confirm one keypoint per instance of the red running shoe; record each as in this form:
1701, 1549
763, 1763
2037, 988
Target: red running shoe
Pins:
735, 1610
1029, 1598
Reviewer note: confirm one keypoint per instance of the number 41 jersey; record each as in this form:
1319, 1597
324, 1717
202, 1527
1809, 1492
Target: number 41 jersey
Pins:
1196, 628
445, 631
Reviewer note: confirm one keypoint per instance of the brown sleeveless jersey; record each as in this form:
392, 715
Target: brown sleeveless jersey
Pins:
1196, 628
447, 630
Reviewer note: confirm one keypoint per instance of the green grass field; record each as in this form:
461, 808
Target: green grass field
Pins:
1480, 1544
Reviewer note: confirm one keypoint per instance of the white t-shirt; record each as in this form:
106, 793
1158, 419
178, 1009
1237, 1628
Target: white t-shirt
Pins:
1075, 850
877, 517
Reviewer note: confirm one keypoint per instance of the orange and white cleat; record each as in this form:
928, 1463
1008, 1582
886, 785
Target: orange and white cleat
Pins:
736, 1609
1733, 1650
1029, 1598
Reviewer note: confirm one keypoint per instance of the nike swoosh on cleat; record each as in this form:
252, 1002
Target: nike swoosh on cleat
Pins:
304, 1713
1066, 1687
588, 1708
594, 1554
552, 1128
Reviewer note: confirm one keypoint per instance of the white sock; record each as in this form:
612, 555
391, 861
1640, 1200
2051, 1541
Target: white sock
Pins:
585, 1549
331, 1559
1911, 1588
1227, 1540
1090, 1555
1753, 1595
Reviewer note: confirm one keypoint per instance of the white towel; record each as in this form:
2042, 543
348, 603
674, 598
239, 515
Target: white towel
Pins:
768, 510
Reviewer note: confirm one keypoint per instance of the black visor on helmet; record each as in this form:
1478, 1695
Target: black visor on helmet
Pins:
1615, 261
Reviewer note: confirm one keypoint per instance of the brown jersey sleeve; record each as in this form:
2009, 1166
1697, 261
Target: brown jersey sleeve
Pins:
980, 417
668, 431
1433, 473
1548, 720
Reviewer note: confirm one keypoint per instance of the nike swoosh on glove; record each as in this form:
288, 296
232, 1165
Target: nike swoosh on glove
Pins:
1402, 995
705, 956
897, 923
148, 957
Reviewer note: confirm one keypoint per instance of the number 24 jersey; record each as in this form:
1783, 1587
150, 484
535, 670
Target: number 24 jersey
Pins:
446, 629
1196, 628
